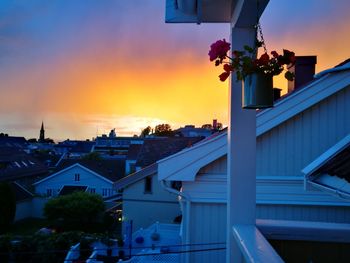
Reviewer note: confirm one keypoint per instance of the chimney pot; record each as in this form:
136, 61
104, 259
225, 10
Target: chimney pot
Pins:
215, 124
304, 71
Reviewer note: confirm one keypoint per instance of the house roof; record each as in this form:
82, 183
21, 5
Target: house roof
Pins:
331, 170
69, 189
154, 149
137, 176
49, 159
111, 169
20, 192
16, 164
189, 131
76, 146
13, 141
184, 165
303, 98
133, 151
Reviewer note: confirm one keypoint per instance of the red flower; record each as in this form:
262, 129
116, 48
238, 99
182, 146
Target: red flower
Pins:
228, 68
264, 59
274, 54
289, 56
223, 76
219, 50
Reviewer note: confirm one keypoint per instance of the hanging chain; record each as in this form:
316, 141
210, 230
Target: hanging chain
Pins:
260, 37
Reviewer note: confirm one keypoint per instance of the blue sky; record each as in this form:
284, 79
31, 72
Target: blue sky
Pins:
87, 66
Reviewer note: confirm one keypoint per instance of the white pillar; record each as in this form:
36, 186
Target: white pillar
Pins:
241, 159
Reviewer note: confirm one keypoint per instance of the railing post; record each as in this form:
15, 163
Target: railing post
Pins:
241, 159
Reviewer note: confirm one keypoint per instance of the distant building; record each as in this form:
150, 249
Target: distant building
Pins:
115, 146
74, 148
192, 131
42, 133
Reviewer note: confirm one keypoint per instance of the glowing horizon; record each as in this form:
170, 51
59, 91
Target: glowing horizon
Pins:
82, 67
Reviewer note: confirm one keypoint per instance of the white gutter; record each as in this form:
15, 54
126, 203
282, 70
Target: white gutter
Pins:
338, 193
331, 70
188, 211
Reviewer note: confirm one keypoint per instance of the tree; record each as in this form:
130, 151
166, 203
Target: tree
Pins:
7, 206
78, 211
163, 130
146, 131
207, 126
93, 156
48, 140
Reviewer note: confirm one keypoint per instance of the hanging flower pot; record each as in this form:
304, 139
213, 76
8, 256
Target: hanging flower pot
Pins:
257, 91
256, 73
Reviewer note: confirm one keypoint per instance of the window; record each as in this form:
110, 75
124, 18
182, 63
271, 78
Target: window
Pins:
176, 185
148, 185
104, 191
77, 177
132, 167
49, 192
92, 190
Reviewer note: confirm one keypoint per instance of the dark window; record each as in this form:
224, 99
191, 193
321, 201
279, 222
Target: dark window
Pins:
92, 190
148, 184
49, 192
176, 185
132, 168
77, 177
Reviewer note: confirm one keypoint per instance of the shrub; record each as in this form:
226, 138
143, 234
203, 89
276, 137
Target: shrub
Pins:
7, 206
77, 211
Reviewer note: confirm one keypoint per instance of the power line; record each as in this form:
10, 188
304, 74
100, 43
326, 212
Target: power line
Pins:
98, 249
166, 253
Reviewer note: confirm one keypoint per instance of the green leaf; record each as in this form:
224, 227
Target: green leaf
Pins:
249, 49
289, 76
239, 75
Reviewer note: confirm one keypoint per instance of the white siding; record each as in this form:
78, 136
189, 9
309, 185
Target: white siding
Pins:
210, 184
147, 208
23, 209
334, 214
289, 147
208, 225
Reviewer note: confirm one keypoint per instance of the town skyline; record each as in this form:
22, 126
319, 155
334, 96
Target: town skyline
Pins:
87, 68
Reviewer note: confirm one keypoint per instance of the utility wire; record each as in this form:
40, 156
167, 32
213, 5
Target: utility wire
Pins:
98, 249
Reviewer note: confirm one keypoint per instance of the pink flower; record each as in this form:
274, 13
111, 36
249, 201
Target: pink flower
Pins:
274, 54
289, 56
264, 59
223, 76
228, 68
219, 50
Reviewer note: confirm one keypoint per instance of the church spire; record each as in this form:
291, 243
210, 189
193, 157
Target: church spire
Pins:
42, 133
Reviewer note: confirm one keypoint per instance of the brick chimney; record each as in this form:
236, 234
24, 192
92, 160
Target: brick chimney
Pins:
304, 70
215, 124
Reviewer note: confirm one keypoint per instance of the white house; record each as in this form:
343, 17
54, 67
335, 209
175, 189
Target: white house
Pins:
83, 175
145, 202
144, 199
312, 122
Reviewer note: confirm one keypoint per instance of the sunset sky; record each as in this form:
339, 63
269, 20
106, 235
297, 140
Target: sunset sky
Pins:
87, 66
